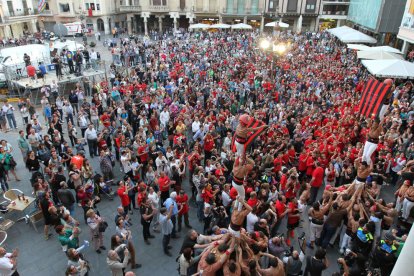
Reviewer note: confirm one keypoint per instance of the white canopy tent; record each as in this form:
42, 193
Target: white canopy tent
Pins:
199, 26
386, 49
378, 54
219, 26
281, 24
349, 35
358, 47
241, 26
390, 68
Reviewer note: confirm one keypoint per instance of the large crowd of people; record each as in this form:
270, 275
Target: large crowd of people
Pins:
178, 125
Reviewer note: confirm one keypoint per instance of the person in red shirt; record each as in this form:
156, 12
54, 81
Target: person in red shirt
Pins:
143, 152
105, 119
281, 212
182, 202
123, 195
316, 182
310, 164
303, 157
164, 183
293, 219
208, 145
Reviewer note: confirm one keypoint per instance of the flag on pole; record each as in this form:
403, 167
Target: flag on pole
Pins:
41, 5
373, 97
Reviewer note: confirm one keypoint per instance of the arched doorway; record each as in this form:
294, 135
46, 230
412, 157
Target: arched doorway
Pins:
101, 25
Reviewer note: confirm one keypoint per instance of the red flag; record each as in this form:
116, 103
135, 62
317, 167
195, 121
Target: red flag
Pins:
373, 97
90, 12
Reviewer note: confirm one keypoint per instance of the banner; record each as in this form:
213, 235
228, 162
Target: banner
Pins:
373, 97
41, 5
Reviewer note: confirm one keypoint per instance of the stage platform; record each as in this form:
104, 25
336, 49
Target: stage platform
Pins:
66, 78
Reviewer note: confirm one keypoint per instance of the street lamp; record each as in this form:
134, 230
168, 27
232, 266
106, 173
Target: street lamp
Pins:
265, 44
276, 49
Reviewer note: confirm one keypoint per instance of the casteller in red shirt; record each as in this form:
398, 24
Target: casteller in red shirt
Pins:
317, 177
163, 182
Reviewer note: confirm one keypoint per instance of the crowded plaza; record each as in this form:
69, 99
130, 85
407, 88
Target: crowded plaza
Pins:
214, 156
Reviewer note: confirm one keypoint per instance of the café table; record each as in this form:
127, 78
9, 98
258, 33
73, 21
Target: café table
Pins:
21, 206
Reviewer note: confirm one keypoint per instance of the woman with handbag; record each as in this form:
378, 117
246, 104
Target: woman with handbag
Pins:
97, 227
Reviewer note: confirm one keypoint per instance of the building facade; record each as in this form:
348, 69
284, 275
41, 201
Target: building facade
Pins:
159, 15
406, 31
378, 18
333, 13
97, 15
18, 17
301, 15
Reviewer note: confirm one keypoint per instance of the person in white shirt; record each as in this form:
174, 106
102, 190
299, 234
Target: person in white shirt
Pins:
164, 118
94, 59
154, 199
68, 112
227, 142
225, 195
162, 163
251, 219
8, 262
91, 136
126, 162
54, 89
195, 125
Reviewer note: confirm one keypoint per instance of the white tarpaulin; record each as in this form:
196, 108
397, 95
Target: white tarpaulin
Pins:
349, 35
390, 68
219, 26
378, 54
241, 26
199, 26
358, 47
280, 23
386, 49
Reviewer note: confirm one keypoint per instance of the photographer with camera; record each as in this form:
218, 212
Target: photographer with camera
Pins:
316, 264
293, 261
353, 264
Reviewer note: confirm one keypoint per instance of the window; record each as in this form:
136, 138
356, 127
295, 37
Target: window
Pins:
64, 7
292, 6
159, 2
47, 6
93, 6
98, 7
271, 5
310, 6
87, 6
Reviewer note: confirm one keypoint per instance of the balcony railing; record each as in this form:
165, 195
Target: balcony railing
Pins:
132, 8
245, 11
154, 8
337, 1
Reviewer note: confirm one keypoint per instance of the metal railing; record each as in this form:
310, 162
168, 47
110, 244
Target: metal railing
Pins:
131, 8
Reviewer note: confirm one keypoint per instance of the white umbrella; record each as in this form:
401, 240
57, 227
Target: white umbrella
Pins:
358, 47
281, 24
371, 54
241, 26
390, 68
299, 25
219, 26
386, 49
199, 26
349, 35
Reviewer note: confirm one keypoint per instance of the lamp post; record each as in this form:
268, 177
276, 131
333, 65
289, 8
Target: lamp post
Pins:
275, 48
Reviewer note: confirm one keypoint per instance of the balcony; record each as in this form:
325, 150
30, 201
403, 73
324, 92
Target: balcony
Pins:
153, 8
131, 8
246, 11
335, 2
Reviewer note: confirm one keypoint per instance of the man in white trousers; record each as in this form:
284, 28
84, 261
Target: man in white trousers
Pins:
241, 169
375, 129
